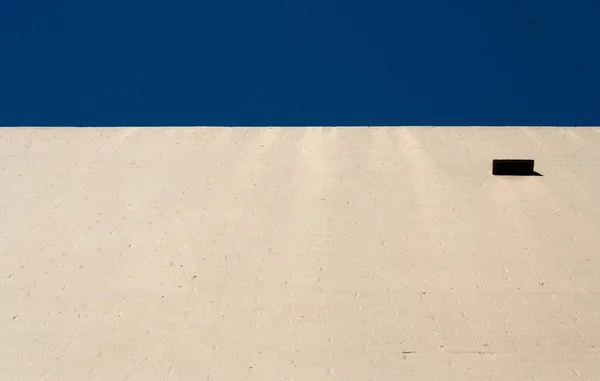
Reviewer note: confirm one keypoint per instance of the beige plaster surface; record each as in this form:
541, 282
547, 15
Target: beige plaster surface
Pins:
223, 254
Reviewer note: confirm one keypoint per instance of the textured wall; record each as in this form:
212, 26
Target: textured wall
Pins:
298, 253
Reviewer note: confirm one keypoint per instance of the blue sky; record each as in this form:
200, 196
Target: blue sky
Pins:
308, 62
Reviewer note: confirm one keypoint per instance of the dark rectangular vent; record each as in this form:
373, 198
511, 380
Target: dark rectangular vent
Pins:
513, 167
